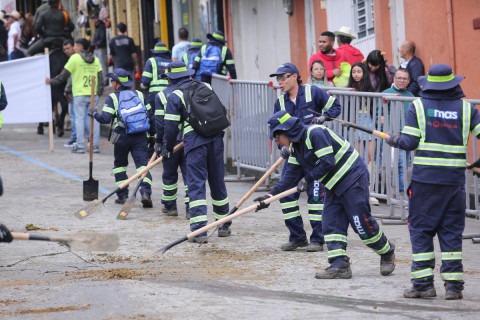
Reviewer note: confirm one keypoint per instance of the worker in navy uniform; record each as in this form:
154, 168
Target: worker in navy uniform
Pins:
298, 100
154, 68
318, 153
438, 126
204, 157
178, 159
135, 143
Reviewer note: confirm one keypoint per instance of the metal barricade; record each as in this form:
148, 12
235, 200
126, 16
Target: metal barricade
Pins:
252, 107
223, 89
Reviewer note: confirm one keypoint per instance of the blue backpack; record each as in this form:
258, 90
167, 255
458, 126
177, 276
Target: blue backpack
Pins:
132, 112
211, 61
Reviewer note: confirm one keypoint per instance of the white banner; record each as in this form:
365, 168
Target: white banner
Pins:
28, 96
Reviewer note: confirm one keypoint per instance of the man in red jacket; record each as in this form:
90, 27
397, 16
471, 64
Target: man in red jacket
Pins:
329, 56
351, 54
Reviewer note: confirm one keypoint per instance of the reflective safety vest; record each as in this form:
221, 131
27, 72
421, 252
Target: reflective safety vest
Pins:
115, 106
223, 70
308, 98
431, 150
157, 84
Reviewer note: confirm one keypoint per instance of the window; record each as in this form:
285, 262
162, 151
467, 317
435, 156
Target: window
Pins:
363, 17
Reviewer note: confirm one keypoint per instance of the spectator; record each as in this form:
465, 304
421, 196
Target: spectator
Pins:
381, 72
329, 56
82, 66
99, 42
318, 74
400, 84
413, 65
52, 24
181, 47
14, 33
28, 33
3, 38
123, 53
215, 50
351, 54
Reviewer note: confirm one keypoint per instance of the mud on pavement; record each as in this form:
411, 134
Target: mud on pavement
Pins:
243, 276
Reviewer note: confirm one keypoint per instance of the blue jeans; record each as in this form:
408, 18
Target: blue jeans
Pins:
15, 55
81, 106
71, 111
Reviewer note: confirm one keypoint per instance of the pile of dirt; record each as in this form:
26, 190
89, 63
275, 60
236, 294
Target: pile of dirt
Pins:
31, 227
49, 310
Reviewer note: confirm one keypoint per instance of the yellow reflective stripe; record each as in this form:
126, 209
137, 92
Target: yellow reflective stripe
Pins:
288, 205
476, 130
467, 114
452, 276
156, 89
374, 238
427, 161
336, 253
315, 217
224, 53
423, 256
175, 70
162, 98
230, 61
146, 74
170, 186
147, 180
208, 85
293, 160
218, 36
169, 198
340, 173
119, 170
315, 206
284, 118
158, 48
180, 95
442, 147
412, 131
114, 99
172, 117
291, 215
140, 168
219, 203
385, 249
197, 203
324, 151
154, 69
198, 219
219, 216
281, 101
117, 183
440, 78
159, 82
452, 255
335, 237
329, 103
160, 112
420, 118
308, 93
107, 109
422, 273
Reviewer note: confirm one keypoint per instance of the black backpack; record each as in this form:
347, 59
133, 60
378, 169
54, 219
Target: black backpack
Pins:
206, 113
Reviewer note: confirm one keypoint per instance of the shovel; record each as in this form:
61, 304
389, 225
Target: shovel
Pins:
95, 205
86, 241
220, 222
128, 205
90, 187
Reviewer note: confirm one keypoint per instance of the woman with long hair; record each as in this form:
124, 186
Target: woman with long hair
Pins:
318, 74
381, 72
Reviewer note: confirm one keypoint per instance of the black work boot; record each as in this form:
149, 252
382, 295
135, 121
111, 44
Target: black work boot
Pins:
314, 247
453, 290
416, 294
334, 272
147, 200
387, 263
170, 212
202, 238
224, 231
290, 246
121, 200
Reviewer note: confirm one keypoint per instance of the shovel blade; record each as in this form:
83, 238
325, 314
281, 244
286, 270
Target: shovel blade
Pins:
90, 190
127, 206
88, 210
90, 241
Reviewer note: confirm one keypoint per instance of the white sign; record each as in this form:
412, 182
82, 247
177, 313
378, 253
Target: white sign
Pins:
29, 97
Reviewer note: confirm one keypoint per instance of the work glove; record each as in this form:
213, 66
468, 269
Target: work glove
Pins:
262, 204
158, 148
476, 164
5, 235
92, 113
285, 152
392, 139
165, 154
319, 120
302, 185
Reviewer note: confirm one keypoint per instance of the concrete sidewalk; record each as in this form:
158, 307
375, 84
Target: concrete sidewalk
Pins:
240, 277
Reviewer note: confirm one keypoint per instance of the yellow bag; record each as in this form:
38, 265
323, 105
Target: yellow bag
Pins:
342, 80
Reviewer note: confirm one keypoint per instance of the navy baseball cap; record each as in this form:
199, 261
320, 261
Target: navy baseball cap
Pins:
282, 121
217, 35
160, 47
440, 77
196, 43
122, 76
176, 70
285, 68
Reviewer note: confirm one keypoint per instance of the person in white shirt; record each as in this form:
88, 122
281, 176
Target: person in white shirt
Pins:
14, 33
180, 48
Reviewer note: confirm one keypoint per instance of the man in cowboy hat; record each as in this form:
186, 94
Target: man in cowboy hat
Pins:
344, 37
215, 57
204, 156
14, 33
134, 143
154, 68
438, 126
